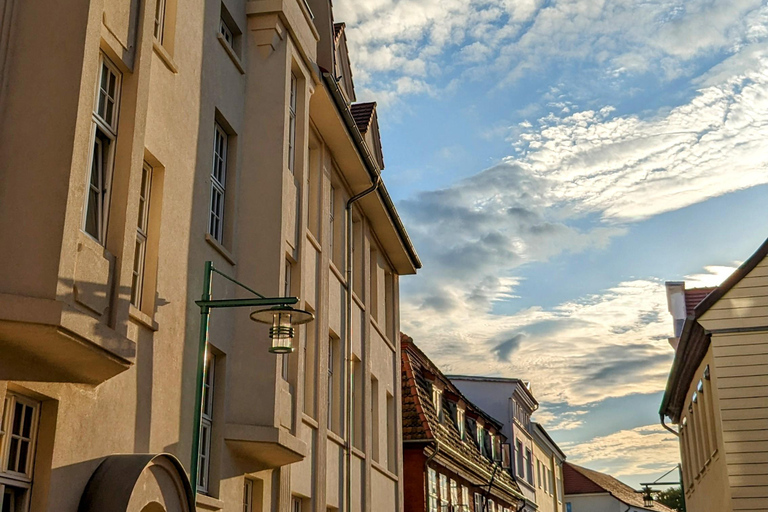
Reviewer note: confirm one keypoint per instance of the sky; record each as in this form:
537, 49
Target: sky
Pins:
555, 162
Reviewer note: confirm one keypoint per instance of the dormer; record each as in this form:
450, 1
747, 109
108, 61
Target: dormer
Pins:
342, 71
367, 122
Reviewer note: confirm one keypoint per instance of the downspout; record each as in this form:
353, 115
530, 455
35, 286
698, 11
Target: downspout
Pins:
661, 419
348, 329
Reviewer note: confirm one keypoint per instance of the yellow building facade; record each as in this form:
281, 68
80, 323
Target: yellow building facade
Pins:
139, 140
717, 393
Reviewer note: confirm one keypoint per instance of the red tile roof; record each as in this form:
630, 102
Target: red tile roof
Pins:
580, 480
694, 296
421, 423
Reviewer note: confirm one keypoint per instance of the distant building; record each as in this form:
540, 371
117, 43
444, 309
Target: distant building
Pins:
536, 458
454, 453
717, 391
589, 491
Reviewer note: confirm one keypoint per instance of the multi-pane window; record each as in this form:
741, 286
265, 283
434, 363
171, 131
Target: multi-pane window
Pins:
375, 425
18, 433
248, 495
104, 134
520, 466
455, 495
538, 472
292, 123
227, 34
437, 401
218, 184
479, 502
465, 498
159, 20
206, 425
140, 250
295, 504
444, 503
433, 498
460, 422
549, 479
391, 436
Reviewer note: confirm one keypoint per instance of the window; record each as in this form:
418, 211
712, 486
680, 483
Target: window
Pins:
491, 506
357, 403
375, 426
286, 293
520, 467
226, 33
550, 490
546, 485
460, 422
454, 495
529, 466
248, 495
465, 498
332, 228
18, 434
480, 437
331, 369
538, 472
479, 502
568, 507
391, 437
432, 498
444, 503
104, 134
140, 251
159, 20
218, 184
206, 425
559, 485
295, 504
292, 126
437, 401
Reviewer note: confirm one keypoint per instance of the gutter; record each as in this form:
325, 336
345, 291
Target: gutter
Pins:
370, 164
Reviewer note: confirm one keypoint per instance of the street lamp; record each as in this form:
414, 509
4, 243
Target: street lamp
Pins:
648, 490
282, 318
278, 312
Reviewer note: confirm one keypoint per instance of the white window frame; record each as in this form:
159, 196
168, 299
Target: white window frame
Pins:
437, 401
142, 229
218, 183
101, 160
465, 498
227, 34
159, 27
461, 422
433, 499
206, 424
444, 493
294, 89
15, 482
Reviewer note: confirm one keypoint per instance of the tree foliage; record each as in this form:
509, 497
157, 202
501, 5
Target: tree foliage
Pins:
673, 498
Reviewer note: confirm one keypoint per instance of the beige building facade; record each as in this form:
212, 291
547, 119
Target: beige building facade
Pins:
717, 391
139, 140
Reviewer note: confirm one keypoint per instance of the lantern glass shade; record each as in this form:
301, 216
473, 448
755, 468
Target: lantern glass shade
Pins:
647, 497
282, 320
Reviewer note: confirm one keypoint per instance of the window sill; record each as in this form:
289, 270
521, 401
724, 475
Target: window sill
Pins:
165, 57
386, 339
336, 438
309, 420
338, 274
231, 53
208, 502
384, 471
142, 318
220, 249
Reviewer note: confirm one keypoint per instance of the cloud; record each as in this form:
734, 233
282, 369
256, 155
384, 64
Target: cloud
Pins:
643, 450
505, 40
506, 348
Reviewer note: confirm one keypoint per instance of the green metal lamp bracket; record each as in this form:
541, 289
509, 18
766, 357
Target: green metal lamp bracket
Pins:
206, 304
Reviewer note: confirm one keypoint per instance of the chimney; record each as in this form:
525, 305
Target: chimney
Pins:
676, 307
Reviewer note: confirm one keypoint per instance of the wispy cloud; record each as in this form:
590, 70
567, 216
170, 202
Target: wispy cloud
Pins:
646, 450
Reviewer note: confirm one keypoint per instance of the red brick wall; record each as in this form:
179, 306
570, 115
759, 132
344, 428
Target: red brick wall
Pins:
414, 479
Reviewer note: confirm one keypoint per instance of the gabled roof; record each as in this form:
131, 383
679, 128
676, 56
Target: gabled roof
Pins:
694, 340
580, 480
421, 423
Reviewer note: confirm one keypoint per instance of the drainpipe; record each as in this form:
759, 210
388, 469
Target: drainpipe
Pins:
348, 329
661, 419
